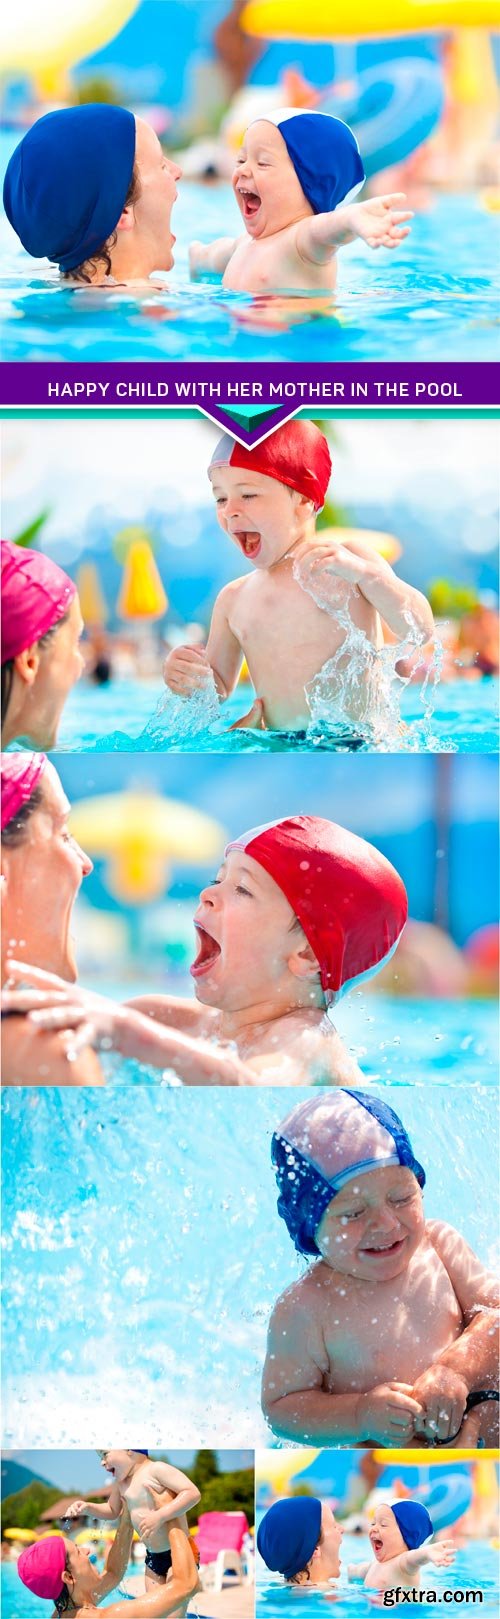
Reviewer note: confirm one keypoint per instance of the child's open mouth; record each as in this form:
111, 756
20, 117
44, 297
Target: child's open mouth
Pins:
250, 202
377, 1544
250, 542
208, 953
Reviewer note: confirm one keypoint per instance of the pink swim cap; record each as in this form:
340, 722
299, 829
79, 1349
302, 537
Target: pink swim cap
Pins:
20, 774
296, 454
349, 900
35, 595
41, 1567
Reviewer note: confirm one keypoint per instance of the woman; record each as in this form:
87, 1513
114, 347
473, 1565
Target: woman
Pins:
42, 869
58, 1570
300, 1539
91, 189
41, 660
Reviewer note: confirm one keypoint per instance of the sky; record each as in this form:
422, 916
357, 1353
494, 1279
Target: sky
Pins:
68, 1469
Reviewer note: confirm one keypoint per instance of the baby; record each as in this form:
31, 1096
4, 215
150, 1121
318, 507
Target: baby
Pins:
397, 1536
392, 1336
137, 1482
283, 618
301, 910
293, 170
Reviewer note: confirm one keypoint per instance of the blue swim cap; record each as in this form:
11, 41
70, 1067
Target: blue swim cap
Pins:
289, 1534
66, 182
325, 155
414, 1522
327, 1142
140, 1452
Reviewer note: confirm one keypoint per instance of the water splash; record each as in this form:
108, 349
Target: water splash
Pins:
178, 718
356, 696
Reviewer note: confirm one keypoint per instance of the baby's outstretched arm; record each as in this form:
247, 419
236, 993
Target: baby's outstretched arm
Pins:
441, 1554
211, 258
381, 222
400, 606
108, 1510
294, 1399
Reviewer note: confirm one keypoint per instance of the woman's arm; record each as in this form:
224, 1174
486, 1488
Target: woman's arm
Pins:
117, 1558
164, 1601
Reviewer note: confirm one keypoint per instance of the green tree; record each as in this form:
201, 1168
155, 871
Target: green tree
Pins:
205, 1468
24, 1510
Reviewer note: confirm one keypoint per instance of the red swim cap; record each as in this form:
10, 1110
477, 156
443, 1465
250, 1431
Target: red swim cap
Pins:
35, 595
20, 774
349, 900
296, 454
41, 1567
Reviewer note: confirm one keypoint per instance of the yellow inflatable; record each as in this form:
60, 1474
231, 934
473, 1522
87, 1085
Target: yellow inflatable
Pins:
343, 19
279, 1467
45, 38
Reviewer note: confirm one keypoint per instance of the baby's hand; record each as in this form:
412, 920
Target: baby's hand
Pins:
442, 1394
380, 220
329, 558
186, 670
77, 1509
52, 1004
149, 1525
388, 1413
443, 1554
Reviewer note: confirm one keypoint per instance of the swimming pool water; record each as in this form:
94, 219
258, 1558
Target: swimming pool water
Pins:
476, 1568
143, 1253
395, 1040
114, 717
436, 298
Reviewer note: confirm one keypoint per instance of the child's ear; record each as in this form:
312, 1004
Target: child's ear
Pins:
27, 664
303, 964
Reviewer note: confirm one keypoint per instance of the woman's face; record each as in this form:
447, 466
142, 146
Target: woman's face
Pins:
42, 876
80, 1577
158, 177
59, 663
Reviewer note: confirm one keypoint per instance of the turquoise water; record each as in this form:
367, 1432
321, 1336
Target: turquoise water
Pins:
436, 297
476, 1568
121, 717
453, 1042
143, 1254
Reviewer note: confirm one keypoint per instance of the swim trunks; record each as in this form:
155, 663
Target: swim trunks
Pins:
158, 1562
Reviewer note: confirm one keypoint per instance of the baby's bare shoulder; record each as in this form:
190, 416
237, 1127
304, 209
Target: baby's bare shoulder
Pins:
310, 1287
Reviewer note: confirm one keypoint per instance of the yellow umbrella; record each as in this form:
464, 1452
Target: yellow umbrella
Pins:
88, 1534
140, 834
386, 545
279, 1467
92, 603
24, 1536
142, 594
45, 40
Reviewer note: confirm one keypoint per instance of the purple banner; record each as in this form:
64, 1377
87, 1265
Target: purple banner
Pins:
255, 397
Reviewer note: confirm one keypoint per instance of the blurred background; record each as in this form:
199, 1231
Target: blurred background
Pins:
418, 84
39, 1486
141, 539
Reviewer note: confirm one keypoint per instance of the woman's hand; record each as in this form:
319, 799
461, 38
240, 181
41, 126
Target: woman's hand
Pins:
51, 1004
